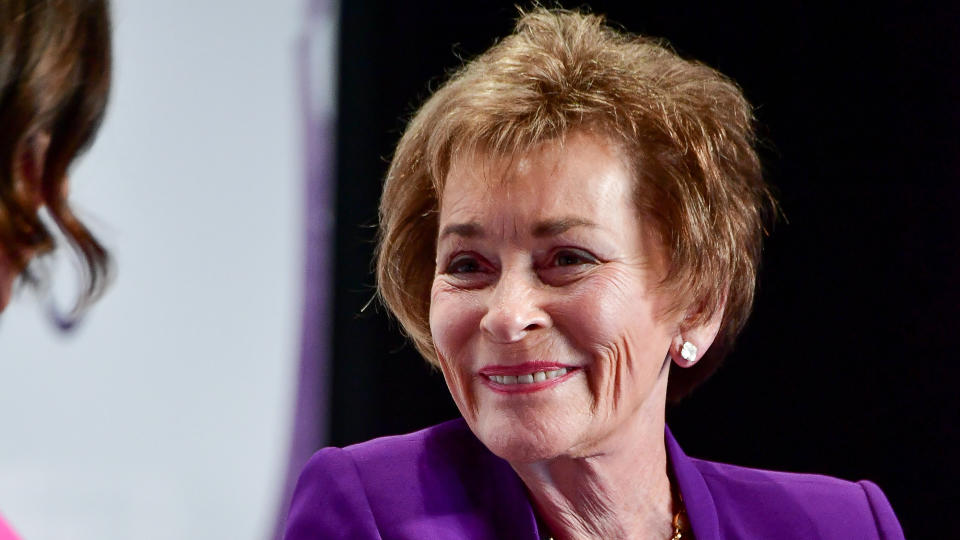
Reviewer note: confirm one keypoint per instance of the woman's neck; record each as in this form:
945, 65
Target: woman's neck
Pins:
619, 489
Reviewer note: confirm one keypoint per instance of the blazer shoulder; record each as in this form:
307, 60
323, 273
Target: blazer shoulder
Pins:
437, 482
409, 447
443, 468
340, 490
882, 511
820, 506
329, 500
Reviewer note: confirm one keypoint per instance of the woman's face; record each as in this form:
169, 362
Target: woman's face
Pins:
543, 309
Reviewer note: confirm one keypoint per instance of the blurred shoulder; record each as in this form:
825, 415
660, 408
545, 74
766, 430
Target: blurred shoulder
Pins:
822, 506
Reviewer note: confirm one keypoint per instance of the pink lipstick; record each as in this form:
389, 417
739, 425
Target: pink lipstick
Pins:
526, 377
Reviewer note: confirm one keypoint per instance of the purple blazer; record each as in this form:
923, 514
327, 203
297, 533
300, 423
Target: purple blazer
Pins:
442, 482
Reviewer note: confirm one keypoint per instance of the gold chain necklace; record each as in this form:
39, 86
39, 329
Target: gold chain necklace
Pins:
681, 527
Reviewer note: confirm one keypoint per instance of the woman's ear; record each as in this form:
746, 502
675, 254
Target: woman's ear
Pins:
692, 341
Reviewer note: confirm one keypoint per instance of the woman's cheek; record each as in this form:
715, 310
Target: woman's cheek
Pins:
454, 318
454, 327
603, 316
589, 315
458, 384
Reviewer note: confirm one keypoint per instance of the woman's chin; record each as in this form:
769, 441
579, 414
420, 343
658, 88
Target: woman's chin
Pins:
519, 443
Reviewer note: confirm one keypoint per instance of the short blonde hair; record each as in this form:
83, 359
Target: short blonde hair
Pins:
686, 129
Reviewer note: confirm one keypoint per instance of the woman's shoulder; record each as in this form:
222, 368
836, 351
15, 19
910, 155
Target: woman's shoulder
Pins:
411, 486
830, 506
432, 442
436, 455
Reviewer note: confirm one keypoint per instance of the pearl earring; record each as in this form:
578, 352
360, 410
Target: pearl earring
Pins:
689, 352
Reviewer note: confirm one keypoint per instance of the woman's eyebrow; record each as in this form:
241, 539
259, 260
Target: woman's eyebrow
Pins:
465, 230
542, 229
554, 227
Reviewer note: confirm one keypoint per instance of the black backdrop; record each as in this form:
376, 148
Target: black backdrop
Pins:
848, 365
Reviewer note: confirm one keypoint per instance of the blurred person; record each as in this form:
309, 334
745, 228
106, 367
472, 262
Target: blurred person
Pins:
55, 65
571, 228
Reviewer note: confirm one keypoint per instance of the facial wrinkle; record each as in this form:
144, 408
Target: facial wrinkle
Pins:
623, 360
453, 374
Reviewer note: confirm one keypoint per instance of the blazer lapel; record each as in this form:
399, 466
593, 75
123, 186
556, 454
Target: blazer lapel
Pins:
696, 496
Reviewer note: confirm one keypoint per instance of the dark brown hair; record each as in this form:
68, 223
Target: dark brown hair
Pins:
55, 65
686, 129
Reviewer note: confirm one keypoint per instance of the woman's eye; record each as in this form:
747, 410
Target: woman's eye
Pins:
572, 258
463, 265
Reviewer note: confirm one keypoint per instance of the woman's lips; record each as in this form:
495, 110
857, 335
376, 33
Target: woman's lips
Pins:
524, 378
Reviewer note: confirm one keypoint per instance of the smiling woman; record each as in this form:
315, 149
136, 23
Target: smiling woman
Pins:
544, 265
570, 231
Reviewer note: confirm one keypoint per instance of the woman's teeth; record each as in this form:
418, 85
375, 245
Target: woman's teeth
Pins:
529, 378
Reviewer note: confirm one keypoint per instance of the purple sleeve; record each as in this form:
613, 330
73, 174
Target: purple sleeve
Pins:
329, 501
887, 524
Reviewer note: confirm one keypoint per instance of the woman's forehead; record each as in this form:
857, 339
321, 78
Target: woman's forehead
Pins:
582, 178
488, 164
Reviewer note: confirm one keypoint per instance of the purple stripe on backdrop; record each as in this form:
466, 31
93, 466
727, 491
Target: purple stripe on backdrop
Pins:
316, 80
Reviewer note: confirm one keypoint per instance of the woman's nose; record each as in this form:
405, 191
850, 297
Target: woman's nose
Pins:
513, 310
